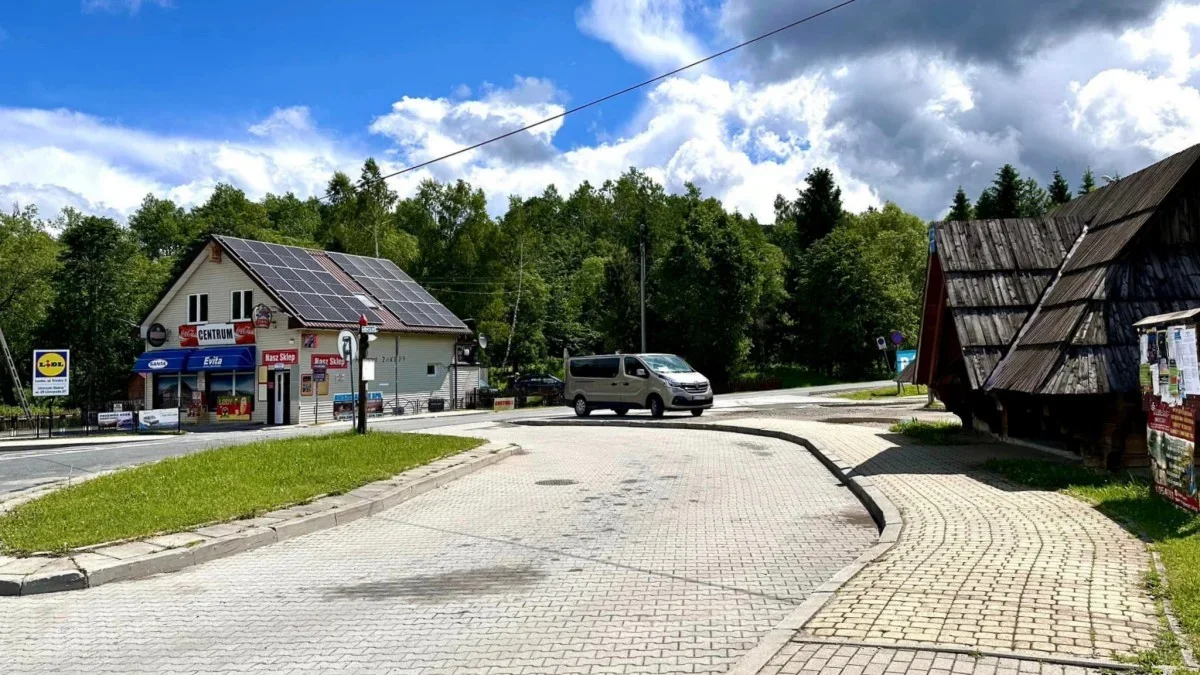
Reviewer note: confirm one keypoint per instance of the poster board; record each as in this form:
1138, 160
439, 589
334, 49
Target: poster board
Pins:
1169, 379
1171, 442
115, 421
162, 418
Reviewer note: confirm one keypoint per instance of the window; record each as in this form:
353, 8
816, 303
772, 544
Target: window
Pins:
367, 302
198, 308
632, 366
241, 306
431, 369
168, 392
603, 367
225, 386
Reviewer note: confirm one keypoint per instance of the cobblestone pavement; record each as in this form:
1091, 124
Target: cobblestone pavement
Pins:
853, 660
608, 550
982, 562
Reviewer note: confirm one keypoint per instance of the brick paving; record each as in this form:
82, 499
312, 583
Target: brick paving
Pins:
981, 562
670, 551
798, 658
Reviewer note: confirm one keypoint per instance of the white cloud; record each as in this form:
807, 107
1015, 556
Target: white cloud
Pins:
907, 125
650, 33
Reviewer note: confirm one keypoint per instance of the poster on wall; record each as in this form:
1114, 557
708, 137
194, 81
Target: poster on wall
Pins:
234, 408
343, 405
306, 385
1171, 443
308, 340
115, 421
1144, 364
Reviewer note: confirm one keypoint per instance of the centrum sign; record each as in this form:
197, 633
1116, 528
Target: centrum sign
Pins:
51, 372
217, 334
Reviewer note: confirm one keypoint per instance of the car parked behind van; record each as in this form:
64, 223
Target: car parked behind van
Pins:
622, 382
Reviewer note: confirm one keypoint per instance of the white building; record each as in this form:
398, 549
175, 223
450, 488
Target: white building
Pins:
244, 334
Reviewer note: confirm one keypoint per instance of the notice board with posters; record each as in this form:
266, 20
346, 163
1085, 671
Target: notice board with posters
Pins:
1169, 377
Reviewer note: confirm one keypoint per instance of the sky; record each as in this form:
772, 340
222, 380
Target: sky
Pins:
105, 101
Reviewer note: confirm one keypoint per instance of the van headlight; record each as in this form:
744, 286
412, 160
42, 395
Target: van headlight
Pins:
671, 383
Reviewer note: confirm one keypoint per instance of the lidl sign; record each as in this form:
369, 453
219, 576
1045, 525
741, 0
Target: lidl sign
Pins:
51, 372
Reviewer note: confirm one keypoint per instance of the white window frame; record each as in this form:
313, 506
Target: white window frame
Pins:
202, 307
246, 313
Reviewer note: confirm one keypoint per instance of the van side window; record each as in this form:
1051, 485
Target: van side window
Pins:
581, 368
632, 366
607, 367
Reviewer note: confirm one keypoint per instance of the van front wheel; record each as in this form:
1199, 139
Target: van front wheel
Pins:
656, 406
581, 407
696, 412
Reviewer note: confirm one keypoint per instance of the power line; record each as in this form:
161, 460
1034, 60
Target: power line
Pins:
602, 99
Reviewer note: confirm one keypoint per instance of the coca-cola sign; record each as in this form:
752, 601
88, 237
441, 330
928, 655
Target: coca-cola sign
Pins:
216, 334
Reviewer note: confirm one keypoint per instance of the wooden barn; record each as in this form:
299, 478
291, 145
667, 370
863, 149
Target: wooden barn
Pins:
1027, 327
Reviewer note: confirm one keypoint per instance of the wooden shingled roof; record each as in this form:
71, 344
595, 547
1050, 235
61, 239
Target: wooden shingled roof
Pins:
1080, 339
995, 271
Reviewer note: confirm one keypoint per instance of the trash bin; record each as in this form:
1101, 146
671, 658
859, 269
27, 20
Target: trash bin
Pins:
437, 404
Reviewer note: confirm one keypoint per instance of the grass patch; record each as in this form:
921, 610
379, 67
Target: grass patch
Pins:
931, 433
239, 481
1174, 533
788, 377
882, 392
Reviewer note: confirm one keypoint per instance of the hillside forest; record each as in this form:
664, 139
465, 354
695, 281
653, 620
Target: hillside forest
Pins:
736, 297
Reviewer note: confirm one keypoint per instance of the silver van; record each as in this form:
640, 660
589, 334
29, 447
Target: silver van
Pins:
620, 382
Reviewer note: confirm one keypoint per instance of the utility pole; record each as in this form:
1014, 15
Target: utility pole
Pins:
364, 341
642, 250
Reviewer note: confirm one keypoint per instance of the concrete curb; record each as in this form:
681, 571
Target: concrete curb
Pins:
89, 568
1062, 660
883, 512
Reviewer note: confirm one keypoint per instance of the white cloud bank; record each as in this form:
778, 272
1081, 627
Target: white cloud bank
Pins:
907, 125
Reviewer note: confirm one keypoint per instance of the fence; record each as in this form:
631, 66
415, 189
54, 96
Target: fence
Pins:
114, 417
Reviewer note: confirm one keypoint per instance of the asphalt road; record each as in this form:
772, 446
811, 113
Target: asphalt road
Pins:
25, 467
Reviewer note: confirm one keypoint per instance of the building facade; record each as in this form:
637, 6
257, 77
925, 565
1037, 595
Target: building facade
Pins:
248, 333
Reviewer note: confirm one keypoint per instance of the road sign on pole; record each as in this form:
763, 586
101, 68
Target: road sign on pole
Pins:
51, 372
881, 343
348, 345
897, 337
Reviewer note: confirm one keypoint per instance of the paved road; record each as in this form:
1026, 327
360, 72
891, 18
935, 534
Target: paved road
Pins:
622, 550
25, 468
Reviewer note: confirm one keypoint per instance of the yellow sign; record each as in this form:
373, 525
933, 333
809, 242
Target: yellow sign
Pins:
52, 364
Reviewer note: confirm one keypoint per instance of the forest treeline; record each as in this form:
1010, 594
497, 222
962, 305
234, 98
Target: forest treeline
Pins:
811, 289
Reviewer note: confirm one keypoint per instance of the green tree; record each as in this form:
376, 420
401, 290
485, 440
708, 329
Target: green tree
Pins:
292, 219
28, 261
711, 320
818, 209
1008, 188
163, 230
229, 212
986, 207
961, 209
97, 305
1088, 184
1034, 201
1060, 190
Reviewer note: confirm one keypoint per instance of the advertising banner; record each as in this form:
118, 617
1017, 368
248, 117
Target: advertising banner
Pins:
162, 418
507, 403
1171, 443
234, 408
306, 385
217, 334
343, 405
51, 372
115, 421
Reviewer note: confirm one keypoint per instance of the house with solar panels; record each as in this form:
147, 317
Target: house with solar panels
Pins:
248, 332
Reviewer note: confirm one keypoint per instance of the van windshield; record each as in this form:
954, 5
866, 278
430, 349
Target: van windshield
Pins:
667, 363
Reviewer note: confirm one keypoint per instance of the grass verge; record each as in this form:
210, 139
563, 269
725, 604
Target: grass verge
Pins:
1130, 501
239, 481
931, 433
882, 392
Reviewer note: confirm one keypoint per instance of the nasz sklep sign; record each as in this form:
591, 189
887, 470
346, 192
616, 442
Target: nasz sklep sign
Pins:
280, 357
217, 334
51, 372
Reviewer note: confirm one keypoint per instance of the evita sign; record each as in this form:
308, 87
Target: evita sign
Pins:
51, 372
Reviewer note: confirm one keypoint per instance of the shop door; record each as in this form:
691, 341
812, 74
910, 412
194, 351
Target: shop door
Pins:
281, 398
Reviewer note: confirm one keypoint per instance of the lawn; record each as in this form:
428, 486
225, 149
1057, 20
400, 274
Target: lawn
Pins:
240, 481
1131, 502
882, 392
789, 377
931, 433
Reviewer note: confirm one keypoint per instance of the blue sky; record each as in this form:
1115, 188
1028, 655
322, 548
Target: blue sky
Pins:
104, 101
199, 67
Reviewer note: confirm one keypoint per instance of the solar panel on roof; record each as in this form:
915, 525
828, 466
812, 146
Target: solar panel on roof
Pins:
397, 291
311, 290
